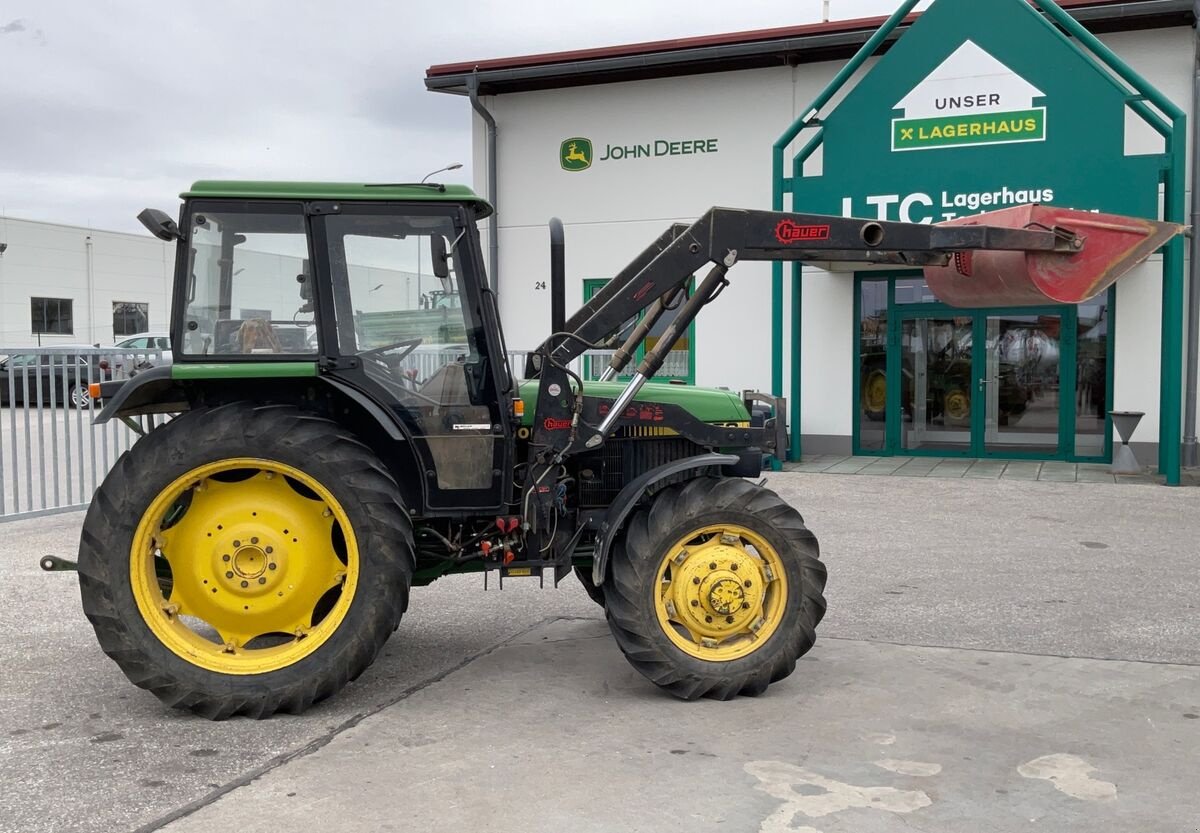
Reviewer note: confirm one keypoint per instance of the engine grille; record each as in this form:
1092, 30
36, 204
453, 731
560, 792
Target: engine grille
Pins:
623, 458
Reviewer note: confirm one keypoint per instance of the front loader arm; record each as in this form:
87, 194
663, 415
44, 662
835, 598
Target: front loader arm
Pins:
1027, 249
723, 236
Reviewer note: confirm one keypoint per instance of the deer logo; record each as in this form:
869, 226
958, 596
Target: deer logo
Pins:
575, 154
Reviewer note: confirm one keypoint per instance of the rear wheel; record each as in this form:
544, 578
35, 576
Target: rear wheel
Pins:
80, 396
716, 589
245, 560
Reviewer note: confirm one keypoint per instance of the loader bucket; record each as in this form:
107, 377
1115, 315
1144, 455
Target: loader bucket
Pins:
1111, 246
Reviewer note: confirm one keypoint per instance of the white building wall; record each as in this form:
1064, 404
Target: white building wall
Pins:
47, 260
614, 209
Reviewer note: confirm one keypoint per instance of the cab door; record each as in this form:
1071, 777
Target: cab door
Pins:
408, 329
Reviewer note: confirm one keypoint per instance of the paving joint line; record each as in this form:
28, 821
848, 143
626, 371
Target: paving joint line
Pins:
1181, 663
323, 740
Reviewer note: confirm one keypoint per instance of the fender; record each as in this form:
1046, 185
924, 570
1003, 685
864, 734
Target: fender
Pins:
150, 391
154, 391
633, 492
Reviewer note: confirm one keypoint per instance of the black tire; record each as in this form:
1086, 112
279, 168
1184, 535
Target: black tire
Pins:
631, 585
318, 447
596, 594
80, 398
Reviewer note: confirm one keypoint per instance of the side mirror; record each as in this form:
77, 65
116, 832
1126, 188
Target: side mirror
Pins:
159, 224
441, 264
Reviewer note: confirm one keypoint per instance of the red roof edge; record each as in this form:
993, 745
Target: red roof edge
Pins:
699, 42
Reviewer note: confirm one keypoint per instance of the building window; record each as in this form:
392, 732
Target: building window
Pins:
130, 318
52, 316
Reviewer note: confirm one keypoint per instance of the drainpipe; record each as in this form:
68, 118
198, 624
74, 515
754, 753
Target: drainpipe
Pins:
91, 289
493, 226
1193, 334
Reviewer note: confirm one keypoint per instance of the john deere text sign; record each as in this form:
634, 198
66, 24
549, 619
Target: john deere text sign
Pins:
980, 105
576, 154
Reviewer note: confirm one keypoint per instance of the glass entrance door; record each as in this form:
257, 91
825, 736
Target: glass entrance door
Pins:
1020, 384
979, 384
935, 383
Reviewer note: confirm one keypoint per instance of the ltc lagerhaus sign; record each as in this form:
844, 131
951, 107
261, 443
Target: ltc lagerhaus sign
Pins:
576, 153
969, 99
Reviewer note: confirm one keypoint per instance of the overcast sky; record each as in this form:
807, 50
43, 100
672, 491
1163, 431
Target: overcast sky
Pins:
106, 108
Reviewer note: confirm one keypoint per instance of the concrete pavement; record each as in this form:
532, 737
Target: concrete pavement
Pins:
868, 738
1002, 572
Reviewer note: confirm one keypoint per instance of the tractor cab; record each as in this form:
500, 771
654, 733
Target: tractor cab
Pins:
378, 289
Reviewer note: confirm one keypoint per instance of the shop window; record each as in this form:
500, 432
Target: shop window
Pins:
130, 318
872, 363
914, 291
52, 316
679, 363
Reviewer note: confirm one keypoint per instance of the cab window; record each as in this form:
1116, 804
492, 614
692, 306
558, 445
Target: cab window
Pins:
249, 283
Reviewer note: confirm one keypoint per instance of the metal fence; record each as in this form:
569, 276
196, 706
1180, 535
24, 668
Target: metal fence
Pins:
52, 454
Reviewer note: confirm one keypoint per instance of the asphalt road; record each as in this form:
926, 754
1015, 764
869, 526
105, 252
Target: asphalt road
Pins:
993, 567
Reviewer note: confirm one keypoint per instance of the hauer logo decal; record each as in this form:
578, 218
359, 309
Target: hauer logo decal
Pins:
969, 99
575, 154
552, 424
791, 232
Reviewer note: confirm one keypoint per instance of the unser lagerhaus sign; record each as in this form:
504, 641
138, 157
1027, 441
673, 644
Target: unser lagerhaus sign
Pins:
981, 105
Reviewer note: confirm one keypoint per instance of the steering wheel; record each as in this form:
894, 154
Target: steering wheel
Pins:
393, 361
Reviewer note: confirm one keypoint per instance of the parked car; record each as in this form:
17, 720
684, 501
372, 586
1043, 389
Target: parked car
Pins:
144, 341
66, 373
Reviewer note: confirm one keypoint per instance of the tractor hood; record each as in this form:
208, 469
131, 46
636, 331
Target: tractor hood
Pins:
705, 404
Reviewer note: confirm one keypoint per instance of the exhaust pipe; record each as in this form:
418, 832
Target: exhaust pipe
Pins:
558, 277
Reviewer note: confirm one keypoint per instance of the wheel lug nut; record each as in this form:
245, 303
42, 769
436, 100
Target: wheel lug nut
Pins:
695, 603
733, 567
272, 565
712, 565
747, 582
696, 580
707, 618
254, 540
264, 581
224, 557
229, 574
729, 619
237, 543
245, 583
270, 550
745, 605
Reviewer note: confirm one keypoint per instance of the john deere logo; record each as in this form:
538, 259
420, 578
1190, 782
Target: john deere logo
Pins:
575, 154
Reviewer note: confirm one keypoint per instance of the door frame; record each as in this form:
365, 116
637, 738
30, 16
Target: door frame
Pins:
1068, 364
977, 428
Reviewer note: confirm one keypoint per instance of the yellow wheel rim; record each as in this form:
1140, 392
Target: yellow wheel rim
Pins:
244, 566
721, 592
958, 405
875, 392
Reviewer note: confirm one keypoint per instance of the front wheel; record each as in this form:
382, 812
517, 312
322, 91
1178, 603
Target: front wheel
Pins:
245, 560
716, 589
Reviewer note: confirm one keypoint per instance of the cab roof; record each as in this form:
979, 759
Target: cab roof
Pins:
249, 189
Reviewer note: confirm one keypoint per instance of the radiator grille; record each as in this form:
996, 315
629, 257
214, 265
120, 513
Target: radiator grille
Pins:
602, 475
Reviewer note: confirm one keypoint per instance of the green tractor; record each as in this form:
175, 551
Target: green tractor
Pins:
337, 439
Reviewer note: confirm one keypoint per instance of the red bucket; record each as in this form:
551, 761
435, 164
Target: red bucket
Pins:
1112, 245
